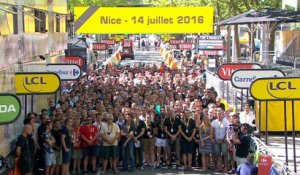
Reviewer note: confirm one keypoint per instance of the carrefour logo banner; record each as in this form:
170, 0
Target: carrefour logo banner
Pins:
65, 71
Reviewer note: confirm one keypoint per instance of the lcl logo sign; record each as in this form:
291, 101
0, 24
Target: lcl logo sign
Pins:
281, 86
37, 83
276, 89
34, 80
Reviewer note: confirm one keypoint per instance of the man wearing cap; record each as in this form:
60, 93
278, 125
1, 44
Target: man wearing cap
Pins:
243, 144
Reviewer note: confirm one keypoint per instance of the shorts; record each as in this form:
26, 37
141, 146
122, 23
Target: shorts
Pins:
49, 158
77, 154
220, 148
25, 165
186, 147
148, 145
66, 157
160, 142
90, 151
110, 152
58, 157
100, 147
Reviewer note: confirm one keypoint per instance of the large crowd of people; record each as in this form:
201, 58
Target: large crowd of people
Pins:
140, 116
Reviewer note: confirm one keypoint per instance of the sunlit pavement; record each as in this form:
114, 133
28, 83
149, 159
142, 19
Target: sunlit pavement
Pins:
277, 147
162, 172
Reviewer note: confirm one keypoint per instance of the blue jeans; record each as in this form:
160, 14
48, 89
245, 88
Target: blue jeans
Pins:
140, 153
129, 147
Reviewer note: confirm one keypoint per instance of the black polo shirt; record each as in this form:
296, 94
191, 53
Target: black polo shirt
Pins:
138, 127
160, 131
188, 126
172, 125
149, 131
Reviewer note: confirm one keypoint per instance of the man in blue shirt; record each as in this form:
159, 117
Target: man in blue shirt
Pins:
247, 168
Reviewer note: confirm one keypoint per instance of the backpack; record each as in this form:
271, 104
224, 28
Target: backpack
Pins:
253, 146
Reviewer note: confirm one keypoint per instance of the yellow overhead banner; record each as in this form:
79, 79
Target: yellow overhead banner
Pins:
37, 83
265, 89
106, 20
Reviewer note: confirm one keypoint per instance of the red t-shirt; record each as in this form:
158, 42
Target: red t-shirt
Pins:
89, 133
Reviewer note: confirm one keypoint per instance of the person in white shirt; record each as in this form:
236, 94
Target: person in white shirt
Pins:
99, 124
220, 145
248, 116
110, 134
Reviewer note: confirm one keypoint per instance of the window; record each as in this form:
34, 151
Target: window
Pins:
40, 21
57, 21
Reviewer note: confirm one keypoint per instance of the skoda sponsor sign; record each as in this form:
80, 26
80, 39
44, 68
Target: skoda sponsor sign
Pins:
264, 89
65, 71
243, 78
37, 83
225, 70
10, 108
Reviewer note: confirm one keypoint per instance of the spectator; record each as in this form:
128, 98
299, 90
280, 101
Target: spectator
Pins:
23, 151
243, 144
188, 132
149, 141
127, 134
233, 132
110, 134
248, 116
89, 144
67, 145
220, 126
140, 129
160, 142
77, 151
173, 129
56, 133
48, 141
205, 145
247, 168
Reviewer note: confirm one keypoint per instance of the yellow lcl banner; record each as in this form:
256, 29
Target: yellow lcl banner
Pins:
37, 83
131, 20
276, 89
276, 115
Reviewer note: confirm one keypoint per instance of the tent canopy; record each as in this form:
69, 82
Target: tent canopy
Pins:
266, 15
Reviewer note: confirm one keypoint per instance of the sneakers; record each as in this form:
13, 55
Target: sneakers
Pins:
231, 172
142, 167
115, 171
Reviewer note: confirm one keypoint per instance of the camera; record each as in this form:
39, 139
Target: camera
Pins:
236, 127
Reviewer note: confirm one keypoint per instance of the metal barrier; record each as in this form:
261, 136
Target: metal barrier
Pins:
278, 164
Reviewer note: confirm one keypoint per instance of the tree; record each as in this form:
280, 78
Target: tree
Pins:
103, 3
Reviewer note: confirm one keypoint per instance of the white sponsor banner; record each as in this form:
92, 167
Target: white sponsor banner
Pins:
65, 71
243, 78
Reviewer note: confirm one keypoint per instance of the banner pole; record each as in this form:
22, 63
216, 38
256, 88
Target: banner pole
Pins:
285, 134
294, 135
266, 136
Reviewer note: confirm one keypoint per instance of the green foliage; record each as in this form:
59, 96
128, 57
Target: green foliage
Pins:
224, 8
102, 3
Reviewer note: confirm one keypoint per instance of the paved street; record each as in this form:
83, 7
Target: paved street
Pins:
165, 172
277, 147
